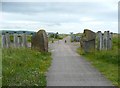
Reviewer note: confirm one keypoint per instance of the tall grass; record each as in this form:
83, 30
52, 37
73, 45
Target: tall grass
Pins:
24, 67
106, 61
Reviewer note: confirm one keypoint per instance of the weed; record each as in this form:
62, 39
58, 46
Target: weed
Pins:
24, 67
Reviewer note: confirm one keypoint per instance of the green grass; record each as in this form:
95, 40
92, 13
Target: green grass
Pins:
24, 67
56, 39
27, 36
106, 61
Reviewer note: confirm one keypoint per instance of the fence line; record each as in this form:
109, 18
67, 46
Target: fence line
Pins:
104, 40
19, 40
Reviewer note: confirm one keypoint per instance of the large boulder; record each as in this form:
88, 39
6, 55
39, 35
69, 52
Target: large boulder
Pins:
88, 35
39, 41
87, 41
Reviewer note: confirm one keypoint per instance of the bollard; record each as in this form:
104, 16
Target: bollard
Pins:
100, 40
15, 39
104, 40
19, 41
24, 39
110, 42
7, 40
3, 41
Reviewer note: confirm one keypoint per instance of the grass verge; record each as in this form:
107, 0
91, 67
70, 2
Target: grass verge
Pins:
24, 67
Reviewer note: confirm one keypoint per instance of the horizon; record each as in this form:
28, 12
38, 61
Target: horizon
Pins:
55, 32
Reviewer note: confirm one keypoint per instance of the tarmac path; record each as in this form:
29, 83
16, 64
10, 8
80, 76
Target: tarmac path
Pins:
70, 69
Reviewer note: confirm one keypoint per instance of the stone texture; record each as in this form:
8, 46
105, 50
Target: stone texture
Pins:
40, 41
7, 35
24, 39
15, 39
3, 40
104, 40
110, 42
88, 41
99, 40
19, 41
72, 38
77, 38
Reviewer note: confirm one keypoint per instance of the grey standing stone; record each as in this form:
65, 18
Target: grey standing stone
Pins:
105, 40
24, 39
73, 38
100, 40
88, 41
40, 41
3, 41
110, 42
15, 39
77, 38
7, 35
19, 41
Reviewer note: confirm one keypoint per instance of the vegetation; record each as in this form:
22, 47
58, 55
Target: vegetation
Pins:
59, 37
106, 61
24, 67
11, 38
28, 38
54, 35
77, 34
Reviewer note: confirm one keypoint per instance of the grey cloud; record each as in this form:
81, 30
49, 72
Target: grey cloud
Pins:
54, 14
68, 7
93, 9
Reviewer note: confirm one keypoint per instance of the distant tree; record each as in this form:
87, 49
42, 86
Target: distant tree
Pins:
52, 35
56, 35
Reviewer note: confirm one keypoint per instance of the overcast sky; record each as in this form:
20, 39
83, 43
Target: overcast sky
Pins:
60, 16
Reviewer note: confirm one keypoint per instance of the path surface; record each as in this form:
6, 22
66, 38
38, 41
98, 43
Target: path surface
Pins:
70, 69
